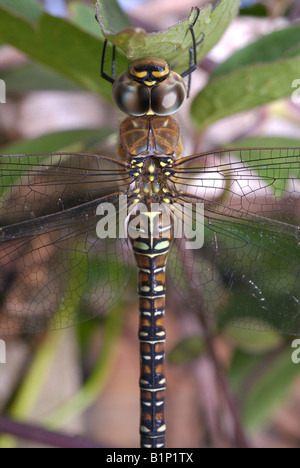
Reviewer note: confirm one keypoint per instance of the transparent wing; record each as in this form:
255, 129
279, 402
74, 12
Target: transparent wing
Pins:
247, 272
54, 268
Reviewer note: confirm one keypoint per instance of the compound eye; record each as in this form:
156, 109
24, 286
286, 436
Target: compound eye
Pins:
169, 95
131, 97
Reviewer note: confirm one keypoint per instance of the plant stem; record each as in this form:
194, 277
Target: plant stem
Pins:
43, 436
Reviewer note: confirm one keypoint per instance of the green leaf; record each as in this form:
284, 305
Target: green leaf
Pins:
187, 350
251, 341
255, 10
83, 16
260, 73
35, 77
266, 142
244, 89
269, 391
59, 141
30, 11
293, 51
108, 9
268, 48
243, 363
173, 43
62, 46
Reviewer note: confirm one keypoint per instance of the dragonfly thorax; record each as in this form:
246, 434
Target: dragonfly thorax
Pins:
149, 88
151, 146
151, 178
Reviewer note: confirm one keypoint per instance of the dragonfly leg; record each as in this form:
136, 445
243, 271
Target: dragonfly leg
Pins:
110, 79
192, 54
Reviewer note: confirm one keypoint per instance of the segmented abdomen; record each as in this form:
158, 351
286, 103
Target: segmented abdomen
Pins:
151, 257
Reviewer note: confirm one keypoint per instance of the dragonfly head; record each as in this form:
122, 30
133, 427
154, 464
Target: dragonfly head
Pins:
149, 88
149, 71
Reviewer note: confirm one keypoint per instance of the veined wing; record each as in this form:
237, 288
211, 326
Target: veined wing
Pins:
247, 272
53, 266
32, 185
260, 180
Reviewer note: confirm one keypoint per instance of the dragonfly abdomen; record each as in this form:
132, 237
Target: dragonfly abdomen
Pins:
151, 257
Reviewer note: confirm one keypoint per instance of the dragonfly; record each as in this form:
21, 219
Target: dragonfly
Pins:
223, 224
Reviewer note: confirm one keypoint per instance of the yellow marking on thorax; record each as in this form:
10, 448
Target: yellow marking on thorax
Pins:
146, 188
156, 187
151, 168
